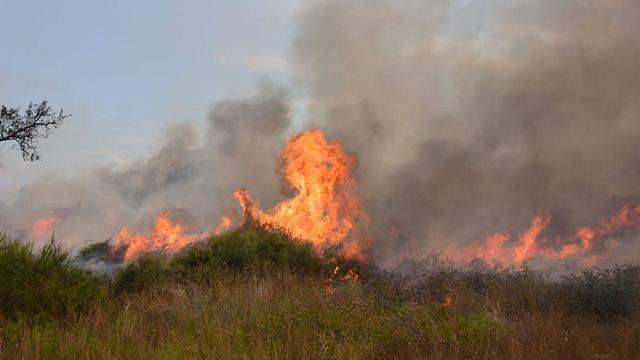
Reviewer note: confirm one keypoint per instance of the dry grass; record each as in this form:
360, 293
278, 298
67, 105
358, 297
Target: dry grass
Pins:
264, 297
284, 316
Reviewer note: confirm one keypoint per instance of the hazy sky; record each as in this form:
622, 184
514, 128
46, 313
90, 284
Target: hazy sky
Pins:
126, 69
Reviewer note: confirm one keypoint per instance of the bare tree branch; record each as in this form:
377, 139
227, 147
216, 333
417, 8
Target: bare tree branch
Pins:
26, 129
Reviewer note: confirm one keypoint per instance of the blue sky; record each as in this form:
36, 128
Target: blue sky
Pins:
127, 69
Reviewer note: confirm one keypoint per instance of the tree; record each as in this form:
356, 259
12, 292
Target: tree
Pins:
25, 129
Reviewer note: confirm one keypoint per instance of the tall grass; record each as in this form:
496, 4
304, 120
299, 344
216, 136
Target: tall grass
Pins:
44, 284
259, 294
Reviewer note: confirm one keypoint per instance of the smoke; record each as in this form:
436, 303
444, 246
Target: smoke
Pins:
469, 119
193, 177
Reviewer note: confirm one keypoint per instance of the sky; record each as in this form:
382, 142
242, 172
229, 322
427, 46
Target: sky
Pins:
126, 70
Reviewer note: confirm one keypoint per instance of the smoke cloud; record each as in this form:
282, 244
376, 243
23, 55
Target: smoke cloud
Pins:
193, 177
464, 129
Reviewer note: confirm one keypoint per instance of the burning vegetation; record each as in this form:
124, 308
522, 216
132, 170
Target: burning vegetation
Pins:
513, 139
165, 235
45, 226
323, 209
533, 244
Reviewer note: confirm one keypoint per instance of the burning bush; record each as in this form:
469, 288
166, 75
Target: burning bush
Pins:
257, 249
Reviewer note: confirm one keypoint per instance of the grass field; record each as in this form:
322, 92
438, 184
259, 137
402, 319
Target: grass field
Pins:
258, 294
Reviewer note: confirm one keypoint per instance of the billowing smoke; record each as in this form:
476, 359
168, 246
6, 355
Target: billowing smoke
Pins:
193, 177
472, 117
466, 118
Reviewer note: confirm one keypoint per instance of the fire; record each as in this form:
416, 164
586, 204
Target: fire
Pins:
530, 244
325, 209
224, 226
528, 240
165, 235
42, 227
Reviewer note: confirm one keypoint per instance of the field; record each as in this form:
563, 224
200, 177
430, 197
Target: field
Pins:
259, 294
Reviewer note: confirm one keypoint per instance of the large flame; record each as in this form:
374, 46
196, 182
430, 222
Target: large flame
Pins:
324, 209
531, 244
224, 226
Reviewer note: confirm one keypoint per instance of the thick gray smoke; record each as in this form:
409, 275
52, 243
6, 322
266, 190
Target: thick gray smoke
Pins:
471, 117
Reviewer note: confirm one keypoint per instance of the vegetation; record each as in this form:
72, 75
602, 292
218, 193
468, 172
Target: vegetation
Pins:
259, 250
260, 294
45, 284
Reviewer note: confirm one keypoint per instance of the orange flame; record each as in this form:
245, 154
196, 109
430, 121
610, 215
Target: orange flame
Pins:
324, 209
42, 227
528, 240
165, 235
224, 226
579, 245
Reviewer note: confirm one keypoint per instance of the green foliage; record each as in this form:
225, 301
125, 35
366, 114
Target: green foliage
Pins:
148, 270
44, 284
256, 250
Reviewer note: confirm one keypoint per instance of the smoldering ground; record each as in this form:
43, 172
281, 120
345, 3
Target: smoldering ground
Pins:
466, 118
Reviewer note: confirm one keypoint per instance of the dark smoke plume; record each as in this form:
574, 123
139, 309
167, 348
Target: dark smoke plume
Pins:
462, 130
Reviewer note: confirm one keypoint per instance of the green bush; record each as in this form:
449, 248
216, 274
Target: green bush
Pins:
148, 270
257, 249
44, 284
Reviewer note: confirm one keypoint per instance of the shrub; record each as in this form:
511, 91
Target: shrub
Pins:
44, 284
606, 293
149, 269
255, 249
